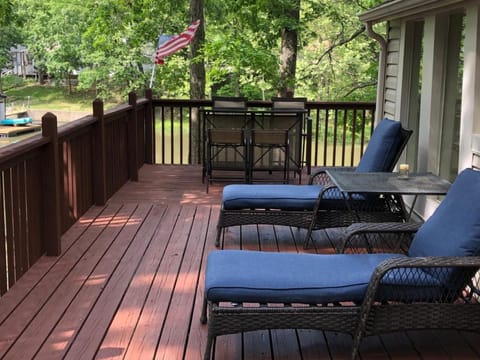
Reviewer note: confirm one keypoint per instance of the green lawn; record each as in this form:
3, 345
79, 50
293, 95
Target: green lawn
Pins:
48, 97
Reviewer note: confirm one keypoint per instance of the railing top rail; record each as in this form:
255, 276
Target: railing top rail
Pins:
268, 103
119, 109
142, 101
75, 126
20, 149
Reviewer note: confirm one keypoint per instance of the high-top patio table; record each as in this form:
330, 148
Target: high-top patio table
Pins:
350, 183
296, 146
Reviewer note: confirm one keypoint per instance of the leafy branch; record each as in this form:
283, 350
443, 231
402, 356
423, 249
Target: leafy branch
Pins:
342, 42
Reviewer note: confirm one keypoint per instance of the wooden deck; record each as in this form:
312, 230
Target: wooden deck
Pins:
129, 284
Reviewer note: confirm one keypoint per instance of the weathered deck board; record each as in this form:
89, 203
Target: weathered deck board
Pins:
129, 285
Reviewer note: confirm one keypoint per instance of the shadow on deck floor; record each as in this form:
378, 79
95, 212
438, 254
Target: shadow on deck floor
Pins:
129, 285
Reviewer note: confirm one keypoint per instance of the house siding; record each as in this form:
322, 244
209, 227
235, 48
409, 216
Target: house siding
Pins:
391, 73
418, 84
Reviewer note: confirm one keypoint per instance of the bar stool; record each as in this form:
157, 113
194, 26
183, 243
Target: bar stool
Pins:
225, 139
226, 151
290, 113
269, 151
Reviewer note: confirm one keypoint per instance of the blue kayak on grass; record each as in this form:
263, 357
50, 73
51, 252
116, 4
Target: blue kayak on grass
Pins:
16, 121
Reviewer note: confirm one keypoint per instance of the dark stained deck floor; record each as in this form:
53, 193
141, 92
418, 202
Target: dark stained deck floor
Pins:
129, 285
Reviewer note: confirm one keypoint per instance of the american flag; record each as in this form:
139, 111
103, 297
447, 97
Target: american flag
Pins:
167, 45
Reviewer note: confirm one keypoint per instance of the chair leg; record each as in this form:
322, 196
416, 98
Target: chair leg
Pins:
287, 162
220, 227
220, 231
203, 316
308, 237
306, 242
203, 320
208, 347
357, 338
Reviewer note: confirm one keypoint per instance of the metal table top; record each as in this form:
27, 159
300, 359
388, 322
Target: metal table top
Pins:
389, 183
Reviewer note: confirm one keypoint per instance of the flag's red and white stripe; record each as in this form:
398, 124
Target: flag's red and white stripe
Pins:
176, 43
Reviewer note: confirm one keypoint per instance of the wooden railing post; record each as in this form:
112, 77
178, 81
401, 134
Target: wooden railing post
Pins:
51, 186
132, 146
149, 129
99, 157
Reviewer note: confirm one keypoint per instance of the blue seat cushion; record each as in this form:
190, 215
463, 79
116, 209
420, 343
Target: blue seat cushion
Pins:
253, 276
382, 147
284, 197
454, 228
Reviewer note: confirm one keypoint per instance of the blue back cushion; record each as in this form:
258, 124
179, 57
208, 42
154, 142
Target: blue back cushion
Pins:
382, 147
454, 228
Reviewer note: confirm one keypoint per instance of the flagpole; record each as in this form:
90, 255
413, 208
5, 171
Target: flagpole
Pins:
154, 62
153, 74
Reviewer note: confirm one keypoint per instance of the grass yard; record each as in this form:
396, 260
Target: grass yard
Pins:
31, 95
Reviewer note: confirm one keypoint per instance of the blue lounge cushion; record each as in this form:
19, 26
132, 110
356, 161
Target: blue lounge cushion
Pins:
454, 228
284, 197
382, 147
239, 196
253, 276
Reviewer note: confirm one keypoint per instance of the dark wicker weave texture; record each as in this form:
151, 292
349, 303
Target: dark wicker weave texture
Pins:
375, 209
387, 306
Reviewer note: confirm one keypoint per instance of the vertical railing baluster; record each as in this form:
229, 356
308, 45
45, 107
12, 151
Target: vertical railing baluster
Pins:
325, 137
162, 134
149, 129
362, 134
99, 160
132, 148
354, 131
172, 135
181, 135
51, 187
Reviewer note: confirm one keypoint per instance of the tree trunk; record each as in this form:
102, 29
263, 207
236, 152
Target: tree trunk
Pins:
197, 79
288, 52
41, 75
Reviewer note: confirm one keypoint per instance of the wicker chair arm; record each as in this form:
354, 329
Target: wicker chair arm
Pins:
471, 264
384, 227
427, 263
357, 232
326, 189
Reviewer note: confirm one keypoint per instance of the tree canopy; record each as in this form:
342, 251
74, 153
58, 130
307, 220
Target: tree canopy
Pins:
110, 43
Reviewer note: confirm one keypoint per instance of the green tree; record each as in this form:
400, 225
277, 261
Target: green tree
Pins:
110, 41
289, 46
197, 66
330, 56
241, 46
8, 33
52, 32
118, 41
240, 49
338, 59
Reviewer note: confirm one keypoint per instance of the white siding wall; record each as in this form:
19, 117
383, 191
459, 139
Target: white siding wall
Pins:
391, 73
470, 117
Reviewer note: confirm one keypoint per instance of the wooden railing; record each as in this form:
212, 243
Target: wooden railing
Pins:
339, 133
50, 180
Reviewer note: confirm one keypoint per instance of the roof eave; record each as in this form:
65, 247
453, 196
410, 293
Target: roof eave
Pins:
404, 8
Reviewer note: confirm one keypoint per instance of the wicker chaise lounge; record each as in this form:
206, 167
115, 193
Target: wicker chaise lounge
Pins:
318, 205
433, 286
